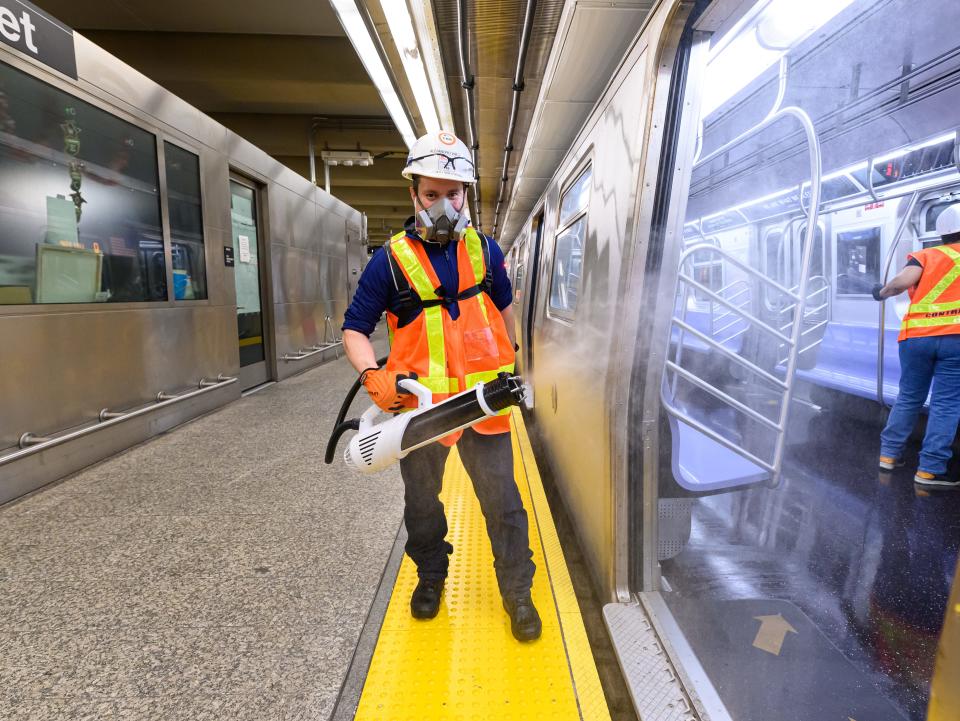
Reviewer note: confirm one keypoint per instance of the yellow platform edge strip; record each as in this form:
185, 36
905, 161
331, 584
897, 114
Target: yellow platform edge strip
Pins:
465, 664
590, 698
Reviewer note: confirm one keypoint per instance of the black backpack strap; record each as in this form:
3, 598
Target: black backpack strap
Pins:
487, 285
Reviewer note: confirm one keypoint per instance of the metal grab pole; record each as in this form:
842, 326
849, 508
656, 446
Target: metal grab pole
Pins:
881, 333
816, 174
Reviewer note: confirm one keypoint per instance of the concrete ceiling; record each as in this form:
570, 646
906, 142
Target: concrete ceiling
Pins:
269, 71
265, 70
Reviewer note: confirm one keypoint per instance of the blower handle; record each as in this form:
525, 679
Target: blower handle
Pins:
341, 427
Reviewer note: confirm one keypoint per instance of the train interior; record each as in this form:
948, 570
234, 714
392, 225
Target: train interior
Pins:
786, 555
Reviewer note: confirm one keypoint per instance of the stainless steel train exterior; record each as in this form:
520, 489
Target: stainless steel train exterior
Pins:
709, 387
150, 327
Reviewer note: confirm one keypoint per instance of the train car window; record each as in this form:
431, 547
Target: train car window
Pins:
858, 261
576, 197
568, 253
518, 285
933, 212
186, 223
79, 201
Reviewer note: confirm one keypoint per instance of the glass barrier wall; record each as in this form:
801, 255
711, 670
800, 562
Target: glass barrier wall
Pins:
79, 201
186, 223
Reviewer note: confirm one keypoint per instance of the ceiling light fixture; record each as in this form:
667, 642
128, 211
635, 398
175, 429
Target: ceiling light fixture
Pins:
356, 29
401, 27
421, 12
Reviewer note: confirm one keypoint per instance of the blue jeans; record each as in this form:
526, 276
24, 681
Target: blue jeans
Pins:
488, 460
922, 360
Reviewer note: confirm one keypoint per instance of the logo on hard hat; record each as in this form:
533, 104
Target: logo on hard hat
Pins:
447, 138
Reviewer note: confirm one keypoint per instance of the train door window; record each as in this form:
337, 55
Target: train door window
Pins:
568, 251
518, 284
79, 200
186, 223
858, 261
817, 257
771, 257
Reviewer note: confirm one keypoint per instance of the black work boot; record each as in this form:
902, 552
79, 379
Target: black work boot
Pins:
524, 619
425, 601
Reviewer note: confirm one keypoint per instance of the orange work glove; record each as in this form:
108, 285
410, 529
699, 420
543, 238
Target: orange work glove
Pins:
381, 385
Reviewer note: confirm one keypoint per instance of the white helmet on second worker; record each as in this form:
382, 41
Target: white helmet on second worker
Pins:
440, 155
948, 222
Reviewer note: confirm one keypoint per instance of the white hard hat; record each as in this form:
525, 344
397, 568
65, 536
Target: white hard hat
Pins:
440, 155
948, 222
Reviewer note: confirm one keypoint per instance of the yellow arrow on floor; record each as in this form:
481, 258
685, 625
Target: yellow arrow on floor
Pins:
773, 629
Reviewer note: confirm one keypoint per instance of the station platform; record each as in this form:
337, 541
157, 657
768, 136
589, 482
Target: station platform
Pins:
222, 571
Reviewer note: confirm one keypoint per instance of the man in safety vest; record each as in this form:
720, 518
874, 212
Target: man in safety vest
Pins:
448, 301
929, 352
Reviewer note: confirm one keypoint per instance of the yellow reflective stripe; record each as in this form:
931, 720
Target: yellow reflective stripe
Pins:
433, 319
952, 319
440, 385
934, 307
471, 379
411, 263
483, 307
946, 281
475, 251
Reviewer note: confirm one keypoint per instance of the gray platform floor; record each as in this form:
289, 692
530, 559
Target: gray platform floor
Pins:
220, 571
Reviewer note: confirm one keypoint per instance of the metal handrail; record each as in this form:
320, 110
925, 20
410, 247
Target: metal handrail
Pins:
725, 397
733, 356
709, 432
739, 264
31, 443
318, 348
748, 316
800, 298
881, 332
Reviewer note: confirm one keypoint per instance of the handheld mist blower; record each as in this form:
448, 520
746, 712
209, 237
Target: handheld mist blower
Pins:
378, 445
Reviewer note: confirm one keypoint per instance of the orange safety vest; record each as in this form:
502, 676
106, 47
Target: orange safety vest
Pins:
449, 355
935, 301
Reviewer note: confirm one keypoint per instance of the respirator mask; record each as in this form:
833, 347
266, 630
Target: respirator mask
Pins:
441, 223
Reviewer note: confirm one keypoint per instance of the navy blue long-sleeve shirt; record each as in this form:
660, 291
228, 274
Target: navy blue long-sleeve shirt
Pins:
376, 291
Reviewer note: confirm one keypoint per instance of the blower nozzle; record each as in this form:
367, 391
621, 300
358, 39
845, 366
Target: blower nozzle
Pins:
376, 446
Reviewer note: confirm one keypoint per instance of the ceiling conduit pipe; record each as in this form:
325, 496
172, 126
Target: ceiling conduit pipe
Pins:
467, 82
311, 148
518, 86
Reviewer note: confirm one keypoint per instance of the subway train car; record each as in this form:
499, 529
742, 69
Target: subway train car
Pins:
153, 264
709, 377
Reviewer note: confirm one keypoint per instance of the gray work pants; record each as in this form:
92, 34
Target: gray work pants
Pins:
488, 460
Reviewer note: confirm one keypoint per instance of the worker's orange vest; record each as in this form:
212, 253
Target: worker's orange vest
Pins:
935, 302
449, 355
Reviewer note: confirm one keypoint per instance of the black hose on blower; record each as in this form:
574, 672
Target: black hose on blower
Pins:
341, 426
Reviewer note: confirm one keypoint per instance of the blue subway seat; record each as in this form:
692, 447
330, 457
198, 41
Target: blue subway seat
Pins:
846, 361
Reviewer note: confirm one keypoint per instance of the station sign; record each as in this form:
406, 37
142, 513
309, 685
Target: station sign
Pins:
30, 30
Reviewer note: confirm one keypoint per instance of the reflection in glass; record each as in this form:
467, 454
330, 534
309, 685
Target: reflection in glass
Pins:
186, 223
79, 201
567, 269
576, 197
